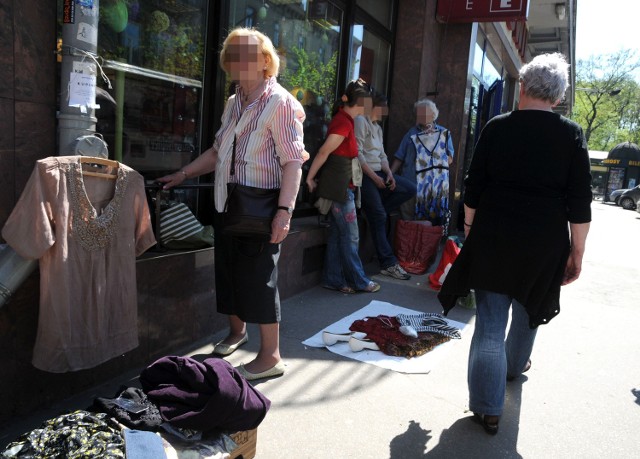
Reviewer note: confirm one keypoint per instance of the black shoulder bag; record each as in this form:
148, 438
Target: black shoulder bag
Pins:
248, 211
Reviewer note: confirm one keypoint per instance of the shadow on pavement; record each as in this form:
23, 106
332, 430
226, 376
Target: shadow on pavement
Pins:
412, 443
466, 438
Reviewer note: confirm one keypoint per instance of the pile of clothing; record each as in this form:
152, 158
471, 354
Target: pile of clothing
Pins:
406, 335
183, 406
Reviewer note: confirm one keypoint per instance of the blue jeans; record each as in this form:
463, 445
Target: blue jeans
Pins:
377, 204
342, 265
491, 359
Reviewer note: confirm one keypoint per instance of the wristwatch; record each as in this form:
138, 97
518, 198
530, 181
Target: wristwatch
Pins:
288, 209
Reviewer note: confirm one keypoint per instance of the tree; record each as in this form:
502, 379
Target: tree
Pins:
607, 99
309, 73
629, 124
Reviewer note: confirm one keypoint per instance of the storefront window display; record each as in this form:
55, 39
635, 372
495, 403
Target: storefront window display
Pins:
488, 94
152, 52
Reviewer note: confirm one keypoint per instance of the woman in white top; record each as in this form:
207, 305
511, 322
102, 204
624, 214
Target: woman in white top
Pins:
382, 191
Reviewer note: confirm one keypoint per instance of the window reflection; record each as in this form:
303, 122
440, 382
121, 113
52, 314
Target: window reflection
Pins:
477, 60
490, 74
162, 35
369, 58
153, 55
381, 10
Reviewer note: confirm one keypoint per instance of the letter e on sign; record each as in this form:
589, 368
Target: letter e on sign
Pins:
503, 6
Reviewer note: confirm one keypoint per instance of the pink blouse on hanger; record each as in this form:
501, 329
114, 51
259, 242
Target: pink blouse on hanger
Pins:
86, 232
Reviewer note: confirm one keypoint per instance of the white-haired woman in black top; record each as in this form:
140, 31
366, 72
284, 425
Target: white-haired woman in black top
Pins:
527, 213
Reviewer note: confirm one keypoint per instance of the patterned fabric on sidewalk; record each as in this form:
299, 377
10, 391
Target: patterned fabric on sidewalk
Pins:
77, 435
429, 322
385, 332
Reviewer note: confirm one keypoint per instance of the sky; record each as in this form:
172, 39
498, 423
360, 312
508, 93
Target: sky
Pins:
606, 26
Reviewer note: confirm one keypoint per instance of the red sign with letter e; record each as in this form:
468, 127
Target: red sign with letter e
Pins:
450, 11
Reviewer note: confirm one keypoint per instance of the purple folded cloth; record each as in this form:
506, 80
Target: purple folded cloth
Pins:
203, 396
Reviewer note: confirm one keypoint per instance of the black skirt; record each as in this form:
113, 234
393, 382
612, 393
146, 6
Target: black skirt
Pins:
246, 274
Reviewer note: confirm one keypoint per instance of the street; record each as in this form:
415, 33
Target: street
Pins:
580, 399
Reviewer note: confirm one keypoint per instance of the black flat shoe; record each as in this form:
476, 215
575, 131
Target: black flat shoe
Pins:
488, 423
526, 368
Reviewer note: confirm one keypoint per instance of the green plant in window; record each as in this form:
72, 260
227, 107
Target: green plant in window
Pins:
309, 78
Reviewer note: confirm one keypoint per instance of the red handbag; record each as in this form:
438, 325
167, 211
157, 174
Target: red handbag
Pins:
416, 245
449, 255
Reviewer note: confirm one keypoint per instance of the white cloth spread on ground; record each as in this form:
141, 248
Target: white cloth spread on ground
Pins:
86, 231
422, 364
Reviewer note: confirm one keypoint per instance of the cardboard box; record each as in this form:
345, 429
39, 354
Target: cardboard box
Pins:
246, 440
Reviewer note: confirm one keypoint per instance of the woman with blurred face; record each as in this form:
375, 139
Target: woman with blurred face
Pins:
382, 190
423, 157
335, 161
262, 122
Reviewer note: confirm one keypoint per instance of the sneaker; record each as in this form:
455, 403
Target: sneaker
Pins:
396, 272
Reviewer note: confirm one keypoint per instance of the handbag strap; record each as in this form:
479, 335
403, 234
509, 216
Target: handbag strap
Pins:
232, 170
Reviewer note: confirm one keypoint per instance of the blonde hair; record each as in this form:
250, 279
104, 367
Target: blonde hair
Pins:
268, 51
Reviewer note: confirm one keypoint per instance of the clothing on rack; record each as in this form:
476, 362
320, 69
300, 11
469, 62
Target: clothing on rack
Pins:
86, 231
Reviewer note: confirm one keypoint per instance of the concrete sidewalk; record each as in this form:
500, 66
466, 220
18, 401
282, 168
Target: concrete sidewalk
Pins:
580, 399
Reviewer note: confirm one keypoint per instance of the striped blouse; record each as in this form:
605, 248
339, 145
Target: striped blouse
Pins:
268, 136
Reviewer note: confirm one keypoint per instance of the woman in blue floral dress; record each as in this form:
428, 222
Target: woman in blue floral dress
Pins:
425, 153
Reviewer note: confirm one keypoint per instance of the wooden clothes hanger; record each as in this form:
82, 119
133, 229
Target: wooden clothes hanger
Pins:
93, 161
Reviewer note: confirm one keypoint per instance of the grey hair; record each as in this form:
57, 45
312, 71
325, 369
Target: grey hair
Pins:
428, 103
546, 77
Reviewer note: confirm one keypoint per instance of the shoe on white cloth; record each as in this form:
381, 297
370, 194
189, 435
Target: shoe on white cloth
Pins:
396, 272
330, 338
408, 330
357, 345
